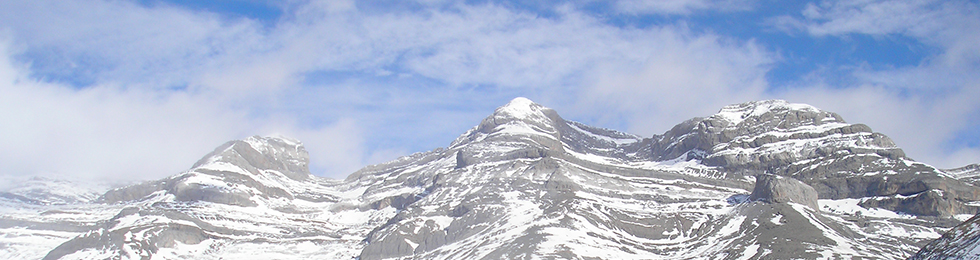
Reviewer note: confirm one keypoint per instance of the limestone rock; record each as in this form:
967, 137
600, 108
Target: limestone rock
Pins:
778, 189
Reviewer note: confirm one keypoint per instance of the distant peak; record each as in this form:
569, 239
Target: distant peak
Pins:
767, 105
284, 138
736, 113
283, 154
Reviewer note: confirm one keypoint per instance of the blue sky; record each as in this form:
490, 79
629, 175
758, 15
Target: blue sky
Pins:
136, 90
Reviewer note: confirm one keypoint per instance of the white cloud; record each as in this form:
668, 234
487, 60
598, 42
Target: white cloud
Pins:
923, 107
679, 76
923, 126
683, 7
336, 150
395, 80
123, 42
117, 133
917, 17
951, 25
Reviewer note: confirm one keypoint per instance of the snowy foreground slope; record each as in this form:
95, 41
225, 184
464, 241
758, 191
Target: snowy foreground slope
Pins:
961, 242
765, 179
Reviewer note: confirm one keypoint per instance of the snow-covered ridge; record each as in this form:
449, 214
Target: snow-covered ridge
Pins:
969, 171
51, 191
739, 112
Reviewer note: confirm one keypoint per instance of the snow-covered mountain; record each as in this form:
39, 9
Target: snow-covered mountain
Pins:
51, 191
766, 179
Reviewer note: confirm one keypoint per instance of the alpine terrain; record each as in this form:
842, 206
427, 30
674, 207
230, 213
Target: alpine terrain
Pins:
758, 180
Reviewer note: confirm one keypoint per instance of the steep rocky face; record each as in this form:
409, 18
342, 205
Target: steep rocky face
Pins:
838, 159
961, 242
232, 174
778, 137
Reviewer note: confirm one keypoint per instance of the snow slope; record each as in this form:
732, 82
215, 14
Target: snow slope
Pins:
961, 242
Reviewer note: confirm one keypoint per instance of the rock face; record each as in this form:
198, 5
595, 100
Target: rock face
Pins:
838, 159
969, 173
246, 194
777, 189
961, 242
231, 174
526, 183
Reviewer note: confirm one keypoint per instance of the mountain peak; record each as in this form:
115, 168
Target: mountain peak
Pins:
521, 108
233, 174
519, 119
737, 113
521, 115
283, 154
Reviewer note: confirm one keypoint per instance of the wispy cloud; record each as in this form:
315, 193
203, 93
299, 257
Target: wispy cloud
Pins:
926, 107
681, 7
678, 75
118, 133
157, 86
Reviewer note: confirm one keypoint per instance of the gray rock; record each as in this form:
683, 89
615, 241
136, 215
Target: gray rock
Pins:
256, 156
238, 173
960, 242
114, 235
817, 147
778, 189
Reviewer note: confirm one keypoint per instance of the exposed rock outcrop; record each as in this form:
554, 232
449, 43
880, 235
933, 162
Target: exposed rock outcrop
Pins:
231, 174
778, 189
839, 160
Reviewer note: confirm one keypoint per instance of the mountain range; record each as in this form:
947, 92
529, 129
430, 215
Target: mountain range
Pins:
758, 180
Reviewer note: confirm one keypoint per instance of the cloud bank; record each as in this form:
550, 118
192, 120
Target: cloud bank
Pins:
145, 94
